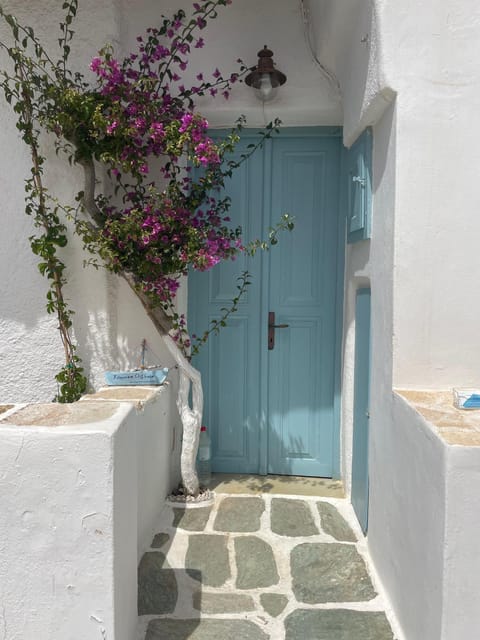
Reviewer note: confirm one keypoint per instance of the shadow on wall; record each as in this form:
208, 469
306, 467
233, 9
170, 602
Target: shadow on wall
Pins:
110, 338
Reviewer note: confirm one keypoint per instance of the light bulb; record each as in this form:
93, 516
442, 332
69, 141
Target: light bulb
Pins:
265, 91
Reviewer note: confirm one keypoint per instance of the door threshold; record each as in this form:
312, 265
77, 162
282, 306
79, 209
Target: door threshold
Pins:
286, 485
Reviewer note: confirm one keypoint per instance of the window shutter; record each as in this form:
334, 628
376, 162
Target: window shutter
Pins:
358, 187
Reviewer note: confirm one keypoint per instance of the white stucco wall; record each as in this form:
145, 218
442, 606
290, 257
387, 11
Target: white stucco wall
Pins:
407, 519
424, 522
78, 504
158, 447
109, 322
240, 31
431, 51
461, 615
57, 521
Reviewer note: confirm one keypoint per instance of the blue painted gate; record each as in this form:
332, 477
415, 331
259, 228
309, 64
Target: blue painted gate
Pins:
275, 410
361, 416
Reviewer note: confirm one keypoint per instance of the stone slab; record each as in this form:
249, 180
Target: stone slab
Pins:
234, 483
222, 602
6, 407
256, 565
191, 519
207, 559
239, 514
157, 585
455, 426
329, 572
159, 540
337, 624
292, 518
273, 603
205, 629
124, 394
334, 524
57, 415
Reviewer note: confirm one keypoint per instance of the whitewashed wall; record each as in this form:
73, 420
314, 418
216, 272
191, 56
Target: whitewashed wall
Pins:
81, 489
240, 31
407, 520
109, 322
424, 521
432, 51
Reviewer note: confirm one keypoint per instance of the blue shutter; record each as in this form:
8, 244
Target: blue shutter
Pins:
358, 187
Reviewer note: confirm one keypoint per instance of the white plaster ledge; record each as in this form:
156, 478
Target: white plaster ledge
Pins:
6, 410
428, 504
137, 395
453, 426
82, 486
92, 409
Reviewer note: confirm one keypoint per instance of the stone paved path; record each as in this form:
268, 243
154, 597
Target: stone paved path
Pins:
259, 568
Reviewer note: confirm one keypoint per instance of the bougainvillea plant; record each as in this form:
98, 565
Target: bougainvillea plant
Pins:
132, 115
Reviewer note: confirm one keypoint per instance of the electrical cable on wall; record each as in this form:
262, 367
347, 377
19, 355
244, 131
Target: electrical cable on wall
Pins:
308, 41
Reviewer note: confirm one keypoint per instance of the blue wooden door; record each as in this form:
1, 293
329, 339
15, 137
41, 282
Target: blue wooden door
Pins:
230, 361
302, 290
361, 408
273, 410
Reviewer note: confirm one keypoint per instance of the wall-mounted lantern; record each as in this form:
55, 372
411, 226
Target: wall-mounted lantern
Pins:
264, 78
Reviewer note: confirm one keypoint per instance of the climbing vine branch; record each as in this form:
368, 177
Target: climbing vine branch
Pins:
21, 88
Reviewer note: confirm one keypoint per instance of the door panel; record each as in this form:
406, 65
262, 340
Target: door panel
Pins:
289, 391
302, 287
229, 361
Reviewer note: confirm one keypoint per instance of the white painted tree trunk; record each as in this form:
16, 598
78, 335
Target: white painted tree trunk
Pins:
191, 416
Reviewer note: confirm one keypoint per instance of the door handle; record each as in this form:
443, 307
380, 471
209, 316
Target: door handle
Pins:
271, 329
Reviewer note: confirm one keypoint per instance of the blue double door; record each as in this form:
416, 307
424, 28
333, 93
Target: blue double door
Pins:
271, 391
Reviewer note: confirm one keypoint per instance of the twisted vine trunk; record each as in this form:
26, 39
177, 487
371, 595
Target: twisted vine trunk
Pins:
191, 416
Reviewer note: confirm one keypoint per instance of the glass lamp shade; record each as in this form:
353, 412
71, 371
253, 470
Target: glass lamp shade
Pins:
265, 89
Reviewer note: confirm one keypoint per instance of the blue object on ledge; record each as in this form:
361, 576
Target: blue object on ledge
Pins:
137, 377
473, 402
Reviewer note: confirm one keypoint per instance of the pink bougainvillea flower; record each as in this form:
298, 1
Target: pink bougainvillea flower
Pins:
95, 64
151, 128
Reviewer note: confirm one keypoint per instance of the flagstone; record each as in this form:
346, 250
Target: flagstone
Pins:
157, 585
159, 540
273, 603
239, 514
191, 519
207, 559
204, 629
292, 518
222, 602
334, 524
329, 572
337, 624
255, 563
